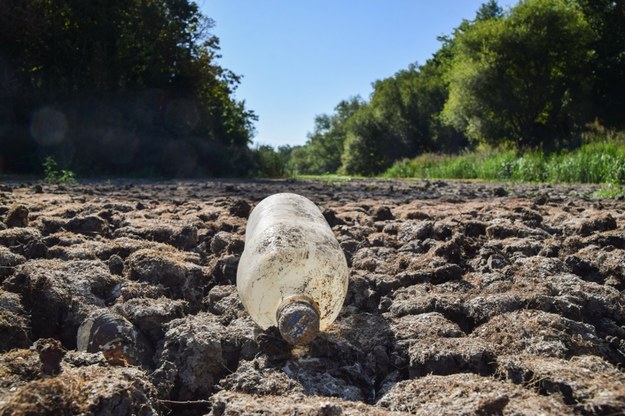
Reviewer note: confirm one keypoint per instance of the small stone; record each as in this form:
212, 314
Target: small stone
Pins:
447, 272
225, 270
541, 199
596, 224
330, 409
8, 261
474, 229
118, 339
88, 225
185, 238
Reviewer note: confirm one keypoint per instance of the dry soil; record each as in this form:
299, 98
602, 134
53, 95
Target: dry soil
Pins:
464, 298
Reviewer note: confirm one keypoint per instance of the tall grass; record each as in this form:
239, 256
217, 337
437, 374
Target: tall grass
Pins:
599, 161
591, 163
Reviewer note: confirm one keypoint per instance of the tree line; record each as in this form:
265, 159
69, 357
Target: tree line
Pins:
134, 88
118, 88
532, 78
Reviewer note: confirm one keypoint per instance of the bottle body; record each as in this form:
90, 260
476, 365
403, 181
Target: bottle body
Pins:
290, 255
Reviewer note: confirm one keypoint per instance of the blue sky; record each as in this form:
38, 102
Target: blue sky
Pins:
299, 58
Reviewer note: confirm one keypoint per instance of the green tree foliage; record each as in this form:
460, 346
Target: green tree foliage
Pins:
402, 119
607, 95
272, 163
56, 176
366, 144
403, 116
531, 77
322, 152
432, 93
117, 87
388, 127
489, 10
520, 78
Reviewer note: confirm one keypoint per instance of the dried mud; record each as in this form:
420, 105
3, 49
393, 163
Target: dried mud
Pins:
464, 298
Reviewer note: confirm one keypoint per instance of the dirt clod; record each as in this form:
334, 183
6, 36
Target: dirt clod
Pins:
51, 352
464, 298
17, 216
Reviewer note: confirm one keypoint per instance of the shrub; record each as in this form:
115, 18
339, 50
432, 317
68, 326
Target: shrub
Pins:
57, 176
597, 161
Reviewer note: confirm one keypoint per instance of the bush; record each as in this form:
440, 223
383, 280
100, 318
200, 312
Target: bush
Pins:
271, 163
495, 165
591, 163
57, 176
598, 161
530, 168
461, 167
405, 168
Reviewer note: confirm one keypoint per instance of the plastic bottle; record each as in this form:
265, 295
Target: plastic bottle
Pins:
292, 273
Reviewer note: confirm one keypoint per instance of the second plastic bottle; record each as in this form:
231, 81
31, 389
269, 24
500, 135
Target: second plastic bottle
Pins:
292, 273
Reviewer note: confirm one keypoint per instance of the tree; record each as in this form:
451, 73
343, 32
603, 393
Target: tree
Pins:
489, 10
272, 163
322, 152
388, 128
519, 78
366, 144
434, 82
135, 85
401, 120
397, 108
607, 95
432, 93
403, 116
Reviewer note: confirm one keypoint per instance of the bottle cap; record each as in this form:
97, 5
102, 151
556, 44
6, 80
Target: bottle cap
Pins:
298, 322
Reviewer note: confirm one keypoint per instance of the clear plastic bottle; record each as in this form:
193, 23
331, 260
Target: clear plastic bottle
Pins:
292, 273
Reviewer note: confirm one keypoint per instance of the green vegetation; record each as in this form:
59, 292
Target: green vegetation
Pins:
600, 161
541, 49
54, 175
322, 154
610, 191
134, 88
270, 163
118, 88
529, 80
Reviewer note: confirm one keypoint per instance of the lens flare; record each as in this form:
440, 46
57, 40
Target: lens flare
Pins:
48, 126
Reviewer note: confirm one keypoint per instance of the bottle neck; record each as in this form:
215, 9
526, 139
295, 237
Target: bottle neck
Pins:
298, 320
